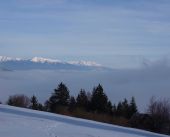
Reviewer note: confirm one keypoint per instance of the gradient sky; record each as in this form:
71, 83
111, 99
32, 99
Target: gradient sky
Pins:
115, 33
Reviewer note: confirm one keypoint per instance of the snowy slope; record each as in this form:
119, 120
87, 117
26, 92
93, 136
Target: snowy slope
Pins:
18, 122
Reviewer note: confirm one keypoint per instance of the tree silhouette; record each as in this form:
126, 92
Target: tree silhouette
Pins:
99, 100
132, 108
125, 108
119, 109
34, 103
72, 104
59, 97
82, 100
109, 108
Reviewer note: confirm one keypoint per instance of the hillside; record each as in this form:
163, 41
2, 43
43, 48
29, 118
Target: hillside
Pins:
15, 122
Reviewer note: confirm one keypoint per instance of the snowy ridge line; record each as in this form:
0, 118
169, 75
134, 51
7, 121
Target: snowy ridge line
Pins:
51, 61
75, 121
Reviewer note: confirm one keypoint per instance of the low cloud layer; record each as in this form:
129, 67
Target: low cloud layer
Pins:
151, 80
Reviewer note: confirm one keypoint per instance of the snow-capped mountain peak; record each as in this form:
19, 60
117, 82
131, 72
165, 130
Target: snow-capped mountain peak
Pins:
5, 58
46, 63
44, 60
85, 63
51, 61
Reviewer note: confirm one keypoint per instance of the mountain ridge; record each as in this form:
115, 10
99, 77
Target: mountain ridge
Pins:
9, 63
49, 60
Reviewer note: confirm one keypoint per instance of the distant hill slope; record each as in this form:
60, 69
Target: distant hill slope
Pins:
15, 122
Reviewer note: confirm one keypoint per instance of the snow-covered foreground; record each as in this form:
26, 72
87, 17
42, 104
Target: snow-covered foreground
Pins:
19, 122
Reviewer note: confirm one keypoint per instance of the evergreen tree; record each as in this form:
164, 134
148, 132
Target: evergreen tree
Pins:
109, 108
72, 104
47, 106
119, 109
59, 97
133, 107
34, 103
99, 100
125, 108
41, 107
82, 100
89, 96
114, 109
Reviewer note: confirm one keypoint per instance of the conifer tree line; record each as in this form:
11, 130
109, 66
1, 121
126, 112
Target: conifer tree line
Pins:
96, 102
96, 105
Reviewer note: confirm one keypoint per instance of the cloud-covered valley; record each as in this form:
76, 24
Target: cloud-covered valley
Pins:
150, 80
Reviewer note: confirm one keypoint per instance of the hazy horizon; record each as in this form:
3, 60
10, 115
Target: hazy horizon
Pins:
143, 83
113, 33
132, 37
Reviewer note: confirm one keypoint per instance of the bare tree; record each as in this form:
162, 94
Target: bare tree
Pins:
159, 110
19, 100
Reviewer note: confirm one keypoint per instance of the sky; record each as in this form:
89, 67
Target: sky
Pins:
114, 33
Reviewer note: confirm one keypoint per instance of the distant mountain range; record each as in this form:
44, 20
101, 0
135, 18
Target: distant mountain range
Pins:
8, 63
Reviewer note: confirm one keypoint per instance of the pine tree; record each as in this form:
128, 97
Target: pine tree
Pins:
133, 107
60, 97
109, 108
119, 109
114, 109
34, 103
89, 96
82, 100
125, 108
72, 104
62, 94
41, 107
99, 100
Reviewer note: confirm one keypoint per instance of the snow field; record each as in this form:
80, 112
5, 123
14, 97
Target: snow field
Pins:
19, 122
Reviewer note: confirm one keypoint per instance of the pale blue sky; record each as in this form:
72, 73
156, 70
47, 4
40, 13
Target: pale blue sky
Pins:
115, 33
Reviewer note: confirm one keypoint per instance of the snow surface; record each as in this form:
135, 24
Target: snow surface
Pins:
19, 122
